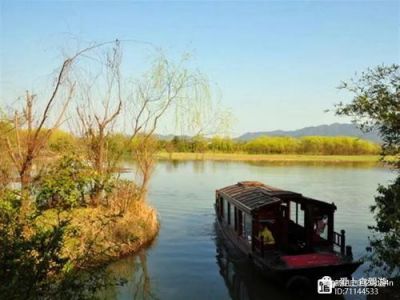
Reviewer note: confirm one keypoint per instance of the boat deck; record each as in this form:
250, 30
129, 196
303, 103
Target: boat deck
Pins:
311, 260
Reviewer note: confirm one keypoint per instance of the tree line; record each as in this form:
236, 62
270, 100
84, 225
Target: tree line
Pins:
62, 141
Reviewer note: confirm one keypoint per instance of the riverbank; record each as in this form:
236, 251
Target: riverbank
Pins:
104, 234
115, 236
267, 157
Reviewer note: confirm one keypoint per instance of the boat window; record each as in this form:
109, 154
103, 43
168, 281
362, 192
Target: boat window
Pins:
219, 206
321, 226
296, 213
221, 203
225, 210
247, 228
229, 213
235, 212
232, 216
239, 223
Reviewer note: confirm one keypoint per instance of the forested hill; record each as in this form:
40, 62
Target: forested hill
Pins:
335, 129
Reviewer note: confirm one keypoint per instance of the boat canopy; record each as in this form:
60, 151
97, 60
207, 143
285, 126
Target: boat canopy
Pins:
253, 195
248, 195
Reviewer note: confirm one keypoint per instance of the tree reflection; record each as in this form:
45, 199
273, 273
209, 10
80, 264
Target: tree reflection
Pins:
138, 283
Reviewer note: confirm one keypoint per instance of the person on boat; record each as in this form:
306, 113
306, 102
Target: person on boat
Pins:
266, 234
320, 225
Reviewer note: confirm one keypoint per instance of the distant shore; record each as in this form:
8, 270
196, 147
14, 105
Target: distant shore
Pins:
267, 157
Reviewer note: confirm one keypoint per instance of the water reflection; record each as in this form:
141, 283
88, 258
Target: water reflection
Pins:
318, 164
190, 262
198, 165
138, 284
243, 281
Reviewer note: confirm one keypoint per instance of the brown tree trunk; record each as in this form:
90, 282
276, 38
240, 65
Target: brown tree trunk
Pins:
25, 174
99, 159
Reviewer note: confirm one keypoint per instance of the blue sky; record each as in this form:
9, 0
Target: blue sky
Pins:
277, 64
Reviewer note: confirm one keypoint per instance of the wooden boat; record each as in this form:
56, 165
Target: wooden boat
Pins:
288, 236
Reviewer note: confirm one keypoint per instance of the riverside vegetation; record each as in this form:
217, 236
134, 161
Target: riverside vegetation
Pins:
64, 210
376, 105
311, 146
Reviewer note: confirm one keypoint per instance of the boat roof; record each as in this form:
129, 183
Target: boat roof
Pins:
249, 195
253, 195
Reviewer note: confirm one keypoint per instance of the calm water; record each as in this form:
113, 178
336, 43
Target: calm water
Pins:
188, 260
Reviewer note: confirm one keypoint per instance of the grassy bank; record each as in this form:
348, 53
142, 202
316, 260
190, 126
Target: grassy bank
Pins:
266, 157
105, 235
58, 236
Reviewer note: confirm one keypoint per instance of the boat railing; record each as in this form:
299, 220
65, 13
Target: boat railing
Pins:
339, 239
258, 245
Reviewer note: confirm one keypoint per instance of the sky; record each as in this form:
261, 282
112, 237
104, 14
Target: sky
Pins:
276, 64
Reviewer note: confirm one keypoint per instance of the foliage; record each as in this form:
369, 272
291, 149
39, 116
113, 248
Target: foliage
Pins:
33, 266
222, 144
376, 103
273, 145
75, 212
117, 145
62, 142
318, 145
386, 247
65, 184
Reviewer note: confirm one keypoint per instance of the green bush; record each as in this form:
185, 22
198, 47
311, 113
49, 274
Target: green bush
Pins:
31, 259
62, 142
65, 185
319, 145
272, 145
27, 258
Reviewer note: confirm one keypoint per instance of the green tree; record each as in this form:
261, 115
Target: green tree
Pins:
32, 262
199, 144
65, 185
376, 104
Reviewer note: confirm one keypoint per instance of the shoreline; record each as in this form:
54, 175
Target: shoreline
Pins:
127, 236
267, 157
147, 241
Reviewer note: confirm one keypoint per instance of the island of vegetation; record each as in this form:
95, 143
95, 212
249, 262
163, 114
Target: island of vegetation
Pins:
65, 208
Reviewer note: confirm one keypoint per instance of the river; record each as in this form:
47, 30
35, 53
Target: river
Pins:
189, 261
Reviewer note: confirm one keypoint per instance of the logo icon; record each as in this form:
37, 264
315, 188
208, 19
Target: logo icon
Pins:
325, 285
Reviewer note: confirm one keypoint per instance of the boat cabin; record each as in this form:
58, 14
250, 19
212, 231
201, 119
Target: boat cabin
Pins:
267, 218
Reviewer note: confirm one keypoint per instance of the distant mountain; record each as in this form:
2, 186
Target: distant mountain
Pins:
335, 129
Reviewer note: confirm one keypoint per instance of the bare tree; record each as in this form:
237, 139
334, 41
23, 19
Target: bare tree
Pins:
101, 104
30, 134
96, 122
33, 130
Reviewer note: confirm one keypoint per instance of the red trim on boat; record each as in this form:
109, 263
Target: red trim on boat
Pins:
311, 260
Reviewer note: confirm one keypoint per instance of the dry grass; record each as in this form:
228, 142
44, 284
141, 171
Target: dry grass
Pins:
105, 235
101, 234
266, 157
